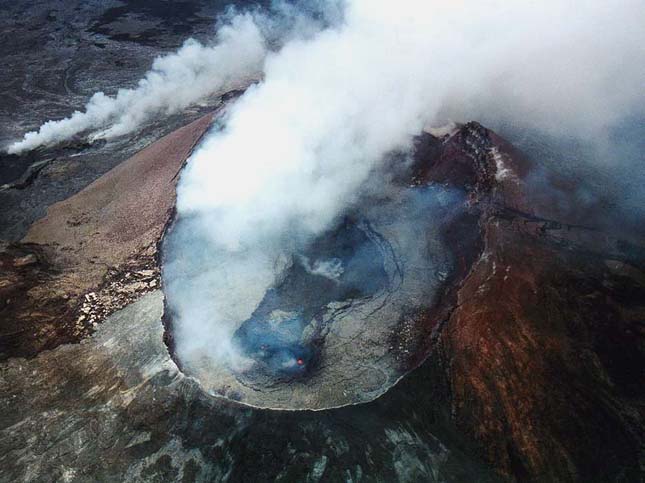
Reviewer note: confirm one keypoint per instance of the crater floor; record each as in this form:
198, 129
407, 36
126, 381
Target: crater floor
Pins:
323, 330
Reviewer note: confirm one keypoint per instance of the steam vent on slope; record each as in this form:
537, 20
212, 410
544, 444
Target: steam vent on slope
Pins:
337, 320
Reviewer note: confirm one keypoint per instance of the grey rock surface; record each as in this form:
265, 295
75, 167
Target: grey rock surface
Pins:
116, 408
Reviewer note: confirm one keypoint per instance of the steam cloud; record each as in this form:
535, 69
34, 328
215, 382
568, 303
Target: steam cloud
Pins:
555, 65
297, 146
296, 149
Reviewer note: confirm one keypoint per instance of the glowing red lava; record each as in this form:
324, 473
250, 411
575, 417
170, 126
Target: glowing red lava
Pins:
300, 361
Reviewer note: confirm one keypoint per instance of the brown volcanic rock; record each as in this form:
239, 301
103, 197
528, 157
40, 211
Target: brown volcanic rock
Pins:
123, 211
94, 252
544, 360
544, 350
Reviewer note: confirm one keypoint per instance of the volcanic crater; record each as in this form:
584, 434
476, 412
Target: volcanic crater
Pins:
341, 319
460, 266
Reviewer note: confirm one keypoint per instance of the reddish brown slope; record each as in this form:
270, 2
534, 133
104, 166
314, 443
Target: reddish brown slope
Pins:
544, 348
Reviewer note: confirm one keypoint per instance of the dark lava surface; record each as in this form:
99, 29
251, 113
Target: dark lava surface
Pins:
57, 53
302, 296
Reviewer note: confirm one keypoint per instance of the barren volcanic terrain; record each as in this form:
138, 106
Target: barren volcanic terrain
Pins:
467, 318
491, 365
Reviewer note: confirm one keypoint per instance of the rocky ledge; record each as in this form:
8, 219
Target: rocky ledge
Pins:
93, 253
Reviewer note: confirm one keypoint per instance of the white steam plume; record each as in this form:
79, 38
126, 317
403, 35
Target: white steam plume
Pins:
296, 149
297, 145
175, 81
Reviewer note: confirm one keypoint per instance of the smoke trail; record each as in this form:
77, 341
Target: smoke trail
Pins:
297, 149
175, 81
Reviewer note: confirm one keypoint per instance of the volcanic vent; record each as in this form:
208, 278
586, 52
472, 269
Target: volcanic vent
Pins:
319, 322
